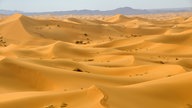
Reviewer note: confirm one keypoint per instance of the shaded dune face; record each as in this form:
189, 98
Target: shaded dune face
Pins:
95, 62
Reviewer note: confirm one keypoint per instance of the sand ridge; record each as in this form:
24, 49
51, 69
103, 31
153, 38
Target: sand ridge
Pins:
96, 61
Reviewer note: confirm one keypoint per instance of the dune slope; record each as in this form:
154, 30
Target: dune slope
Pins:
104, 62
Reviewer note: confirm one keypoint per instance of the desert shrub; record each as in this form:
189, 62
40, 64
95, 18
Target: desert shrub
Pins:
162, 62
78, 70
85, 34
58, 26
79, 42
50, 106
3, 42
90, 60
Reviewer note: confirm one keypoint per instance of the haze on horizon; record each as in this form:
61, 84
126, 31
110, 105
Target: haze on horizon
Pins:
63, 5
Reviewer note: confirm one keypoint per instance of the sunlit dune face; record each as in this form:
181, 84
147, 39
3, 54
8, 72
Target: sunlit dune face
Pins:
137, 61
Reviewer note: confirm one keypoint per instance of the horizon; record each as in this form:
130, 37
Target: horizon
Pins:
60, 5
91, 9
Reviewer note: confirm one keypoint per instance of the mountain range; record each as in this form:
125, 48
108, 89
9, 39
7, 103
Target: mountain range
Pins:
124, 10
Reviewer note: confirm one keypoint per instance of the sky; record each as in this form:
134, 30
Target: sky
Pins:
63, 5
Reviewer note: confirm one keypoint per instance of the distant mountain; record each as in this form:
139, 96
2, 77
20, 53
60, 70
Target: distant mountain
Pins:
124, 10
168, 10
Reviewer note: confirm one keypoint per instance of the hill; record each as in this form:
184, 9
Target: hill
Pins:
123, 10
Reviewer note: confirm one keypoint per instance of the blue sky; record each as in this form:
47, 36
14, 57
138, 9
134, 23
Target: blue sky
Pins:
56, 5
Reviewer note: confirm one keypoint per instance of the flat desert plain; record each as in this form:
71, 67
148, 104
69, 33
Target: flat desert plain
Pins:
116, 61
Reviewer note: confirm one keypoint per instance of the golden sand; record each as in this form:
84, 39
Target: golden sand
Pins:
96, 62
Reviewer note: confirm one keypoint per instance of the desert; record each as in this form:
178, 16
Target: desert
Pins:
96, 61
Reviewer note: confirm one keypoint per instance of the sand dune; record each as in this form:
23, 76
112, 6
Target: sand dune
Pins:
96, 62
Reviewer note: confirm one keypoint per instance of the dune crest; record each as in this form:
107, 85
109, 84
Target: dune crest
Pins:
116, 61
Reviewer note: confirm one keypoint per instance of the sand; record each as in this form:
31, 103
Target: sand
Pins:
96, 61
